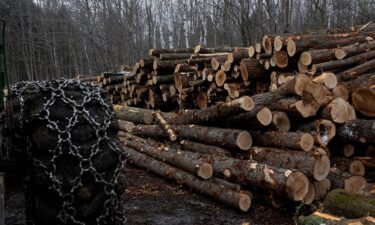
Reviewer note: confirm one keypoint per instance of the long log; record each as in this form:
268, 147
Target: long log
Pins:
283, 139
228, 197
317, 56
223, 137
203, 148
218, 111
354, 167
135, 115
356, 71
360, 130
363, 81
157, 52
312, 164
185, 160
295, 46
245, 120
341, 203
319, 218
281, 181
323, 130
174, 56
355, 49
346, 181
201, 49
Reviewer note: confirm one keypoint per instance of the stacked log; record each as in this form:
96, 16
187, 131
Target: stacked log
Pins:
292, 116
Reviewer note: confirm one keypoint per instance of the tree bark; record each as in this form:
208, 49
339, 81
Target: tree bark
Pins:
221, 194
293, 140
323, 130
312, 164
360, 130
203, 148
252, 70
355, 49
223, 137
354, 167
341, 203
346, 181
318, 218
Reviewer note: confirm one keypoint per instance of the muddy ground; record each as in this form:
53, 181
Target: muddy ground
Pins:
150, 199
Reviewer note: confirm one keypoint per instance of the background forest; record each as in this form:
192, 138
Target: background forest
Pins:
63, 38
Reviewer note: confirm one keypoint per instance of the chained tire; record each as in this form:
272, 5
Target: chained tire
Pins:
65, 134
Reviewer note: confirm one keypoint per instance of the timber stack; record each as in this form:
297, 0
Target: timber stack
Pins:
287, 119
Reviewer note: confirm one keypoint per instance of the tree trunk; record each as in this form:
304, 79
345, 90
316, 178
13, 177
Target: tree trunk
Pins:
218, 111
354, 167
341, 203
362, 131
157, 52
294, 140
203, 148
346, 181
323, 130
174, 56
312, 164
355, 49
317, 56
230, 138
222, 194
188, 161
251, 70
318, 218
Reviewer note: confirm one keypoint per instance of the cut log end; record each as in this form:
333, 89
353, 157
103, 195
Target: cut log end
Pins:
244, 140
306, 58
306, 142
126, 126
321, 168
327, 79
297, 186
278, 44
357, 168
281, 121
281, 59
310, 196
326, 131
363, 100
246, 103
205, 171
348, 150
264, 116
244, 202
251, 51
354, 183
340, 53
341, 91
148, 117
220, 78
291, 48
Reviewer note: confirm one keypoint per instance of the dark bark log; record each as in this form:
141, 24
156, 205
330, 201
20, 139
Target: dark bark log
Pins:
184, 68
318, 218
317, 56
201, 49
163, 79
341, 203
293, 140
252, 70
356, 71
354, 167
238, 55
221, 194
203, 148
157, 52
230, 138
296, 46
312, 164
167, 66
355, 49
359, 130
346, 181
135, 115
323, 130
174, 56
353, 60
366, 80
218, 111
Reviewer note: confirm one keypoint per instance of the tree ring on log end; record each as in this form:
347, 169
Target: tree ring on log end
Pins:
244, 203
244, 140
297, 186
205, 171
306, 142
321, 168
354, 183
310, 196
357, 168
264, 116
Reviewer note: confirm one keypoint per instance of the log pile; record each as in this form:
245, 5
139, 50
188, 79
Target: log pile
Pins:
291, 117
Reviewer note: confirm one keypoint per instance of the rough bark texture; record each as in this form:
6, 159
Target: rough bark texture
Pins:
359, 130
341, 203
294, 140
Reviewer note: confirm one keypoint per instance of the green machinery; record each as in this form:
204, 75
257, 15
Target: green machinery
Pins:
3, 65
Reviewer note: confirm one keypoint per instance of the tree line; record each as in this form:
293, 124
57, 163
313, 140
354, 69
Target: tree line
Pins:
49, 39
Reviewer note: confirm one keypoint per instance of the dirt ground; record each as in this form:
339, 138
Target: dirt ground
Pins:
150, 199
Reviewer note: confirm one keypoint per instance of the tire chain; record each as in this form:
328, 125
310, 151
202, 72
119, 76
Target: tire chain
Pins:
90, 92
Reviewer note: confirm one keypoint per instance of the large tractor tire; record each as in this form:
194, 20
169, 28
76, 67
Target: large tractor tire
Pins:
65, 134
